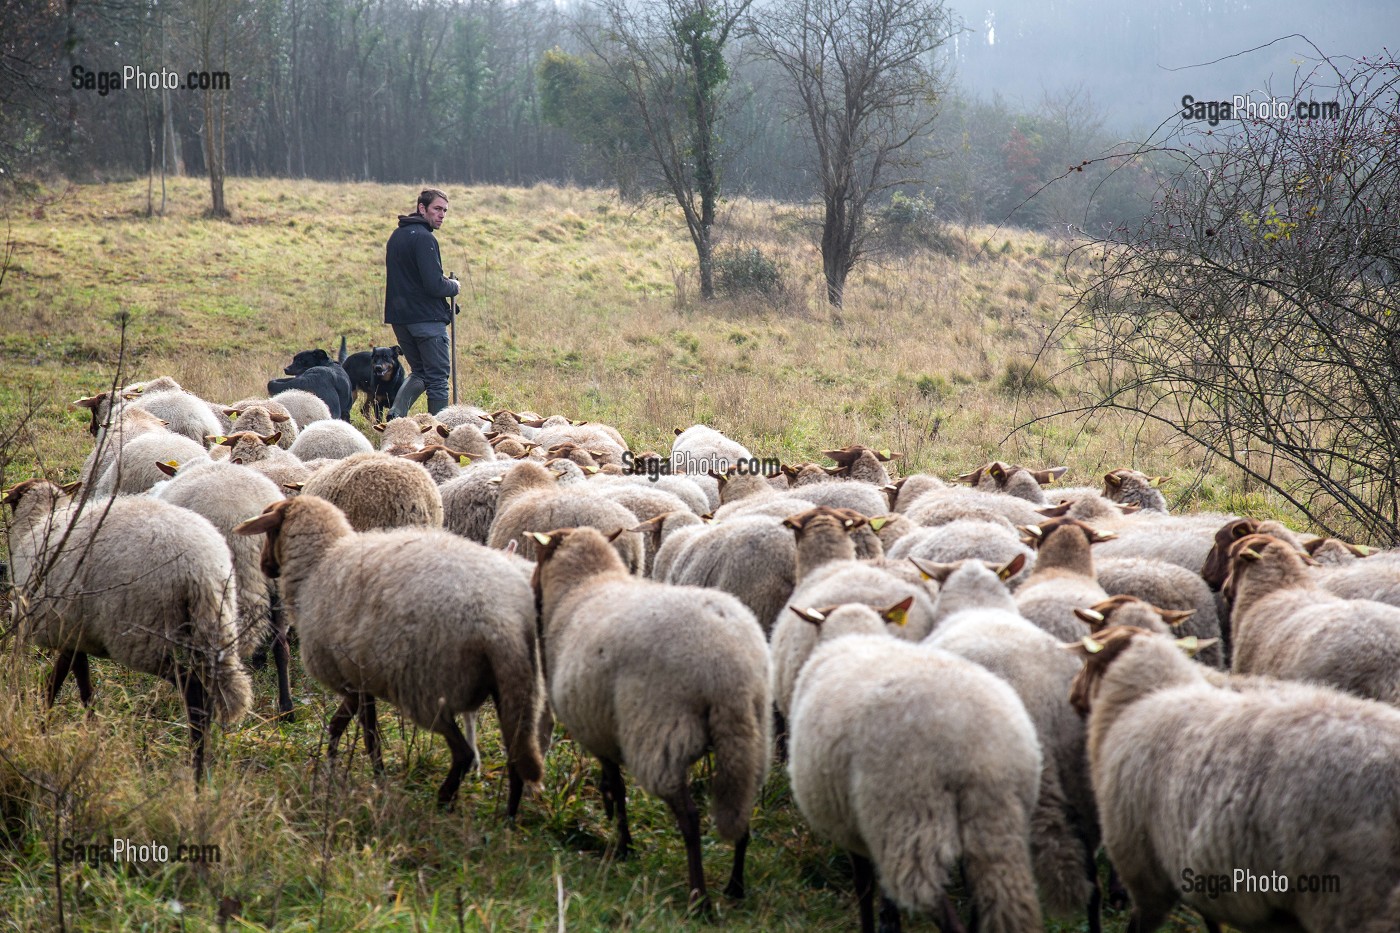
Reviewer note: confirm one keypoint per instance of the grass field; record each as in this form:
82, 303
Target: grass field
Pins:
573, 303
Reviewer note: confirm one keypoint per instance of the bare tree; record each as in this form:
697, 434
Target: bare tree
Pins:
667, 56
865, 79
1257, 310
220, 31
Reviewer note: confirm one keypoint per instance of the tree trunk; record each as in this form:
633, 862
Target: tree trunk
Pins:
836, 248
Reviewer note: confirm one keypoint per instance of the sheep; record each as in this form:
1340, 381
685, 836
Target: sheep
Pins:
753, 558
1292, 780
263, 416
465, 632
261, 454
134, 579
1063, 578
1130, 487
1184, 540
530, 499
468, 439
1376, 578
645, 503
184, 412
994, 541
940, 506
305, 408
454, 416
1283, 624
402, 435
137, 468
904, 492
978, 620
652, 676
226, 494
602, 443
469, 501
796, 637
127, 425
1334, 552
805, 474
703, 450
442, 463
377, 491
847, 494
1012, 480
1168, 587
684, 488
862, 464
330, 438
1124, 610
1216, 566
891, 528
910, 758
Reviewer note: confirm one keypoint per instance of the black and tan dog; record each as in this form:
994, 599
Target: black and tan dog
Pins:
379, 375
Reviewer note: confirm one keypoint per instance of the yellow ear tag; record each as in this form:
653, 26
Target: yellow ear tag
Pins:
539, 537
1090, 645
897, 616
1190, 644
878, 523
464, 460
1363, 550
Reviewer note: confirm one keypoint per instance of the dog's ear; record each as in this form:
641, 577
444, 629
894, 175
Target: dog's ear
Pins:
396, 350
321, 356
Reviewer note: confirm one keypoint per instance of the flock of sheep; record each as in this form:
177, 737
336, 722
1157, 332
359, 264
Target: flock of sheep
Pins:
974, 676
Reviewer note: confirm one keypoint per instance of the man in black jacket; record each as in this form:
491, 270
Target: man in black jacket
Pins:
415, 303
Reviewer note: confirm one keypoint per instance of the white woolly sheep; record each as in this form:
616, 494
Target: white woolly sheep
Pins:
1285, 625
226, 494
978, 620
469, 501
531, 499
1131, 487
305, 408
465, 634
1063, 579
651, 677
963, 539
1293, 780
861, 464
753, 558
1167, 587
184, 412
134, 579
703, 450
468, 439
377, 491
138, 468
330, 438
263, 416
911, 758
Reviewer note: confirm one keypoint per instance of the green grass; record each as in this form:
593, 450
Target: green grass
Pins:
572, 303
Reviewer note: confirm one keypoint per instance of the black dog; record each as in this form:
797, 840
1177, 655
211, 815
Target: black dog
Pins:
379, 375
314, 371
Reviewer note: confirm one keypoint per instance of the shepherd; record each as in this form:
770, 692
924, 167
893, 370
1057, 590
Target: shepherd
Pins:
416, 303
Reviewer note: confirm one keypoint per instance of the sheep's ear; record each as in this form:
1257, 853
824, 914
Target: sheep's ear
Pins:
380, 426
279, 418
270, 519
809, 615
1112, 479
71, 489
1193, 645
1243, 528
1175, 617
512, 546
898, 614
168, 467
997, 472
1047, 476
719, 478
617, 534
233, 412
1085, 647
1128, 508
214, 439
1156, 481
880, 521
1360, 550
678, 431
577, 423
490, 435
442, 429
294, 487
597, 453
651, 525
1092, 616
1057, 511
272, 438
495, 480
91, 402
1095, 536
1012, 567
428, 429
1247, 554
933, 571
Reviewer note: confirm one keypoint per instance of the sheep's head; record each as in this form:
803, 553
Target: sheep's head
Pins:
1263, 555
269, 523
43, 490
1217, 565
940, 572
1038, 536
1102, 650
847, 520
1126, 610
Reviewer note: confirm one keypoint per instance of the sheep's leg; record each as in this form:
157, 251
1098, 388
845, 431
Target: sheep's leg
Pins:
889, 916
948, 920
688, 818
735, 887
1118, 897
780, 737
349, 706
282, 656
517, 790
369, 722
463, 760
612, 781
1095, 907
61, 666
865, 891
1211, 925
197, 708
82, 673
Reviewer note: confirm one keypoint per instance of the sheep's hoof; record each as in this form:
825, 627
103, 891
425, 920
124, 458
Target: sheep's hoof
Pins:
734, 891
286, 717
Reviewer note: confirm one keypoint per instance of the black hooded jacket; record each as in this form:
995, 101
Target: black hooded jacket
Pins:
415, 291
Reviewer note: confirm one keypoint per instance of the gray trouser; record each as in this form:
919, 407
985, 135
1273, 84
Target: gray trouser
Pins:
425, 347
